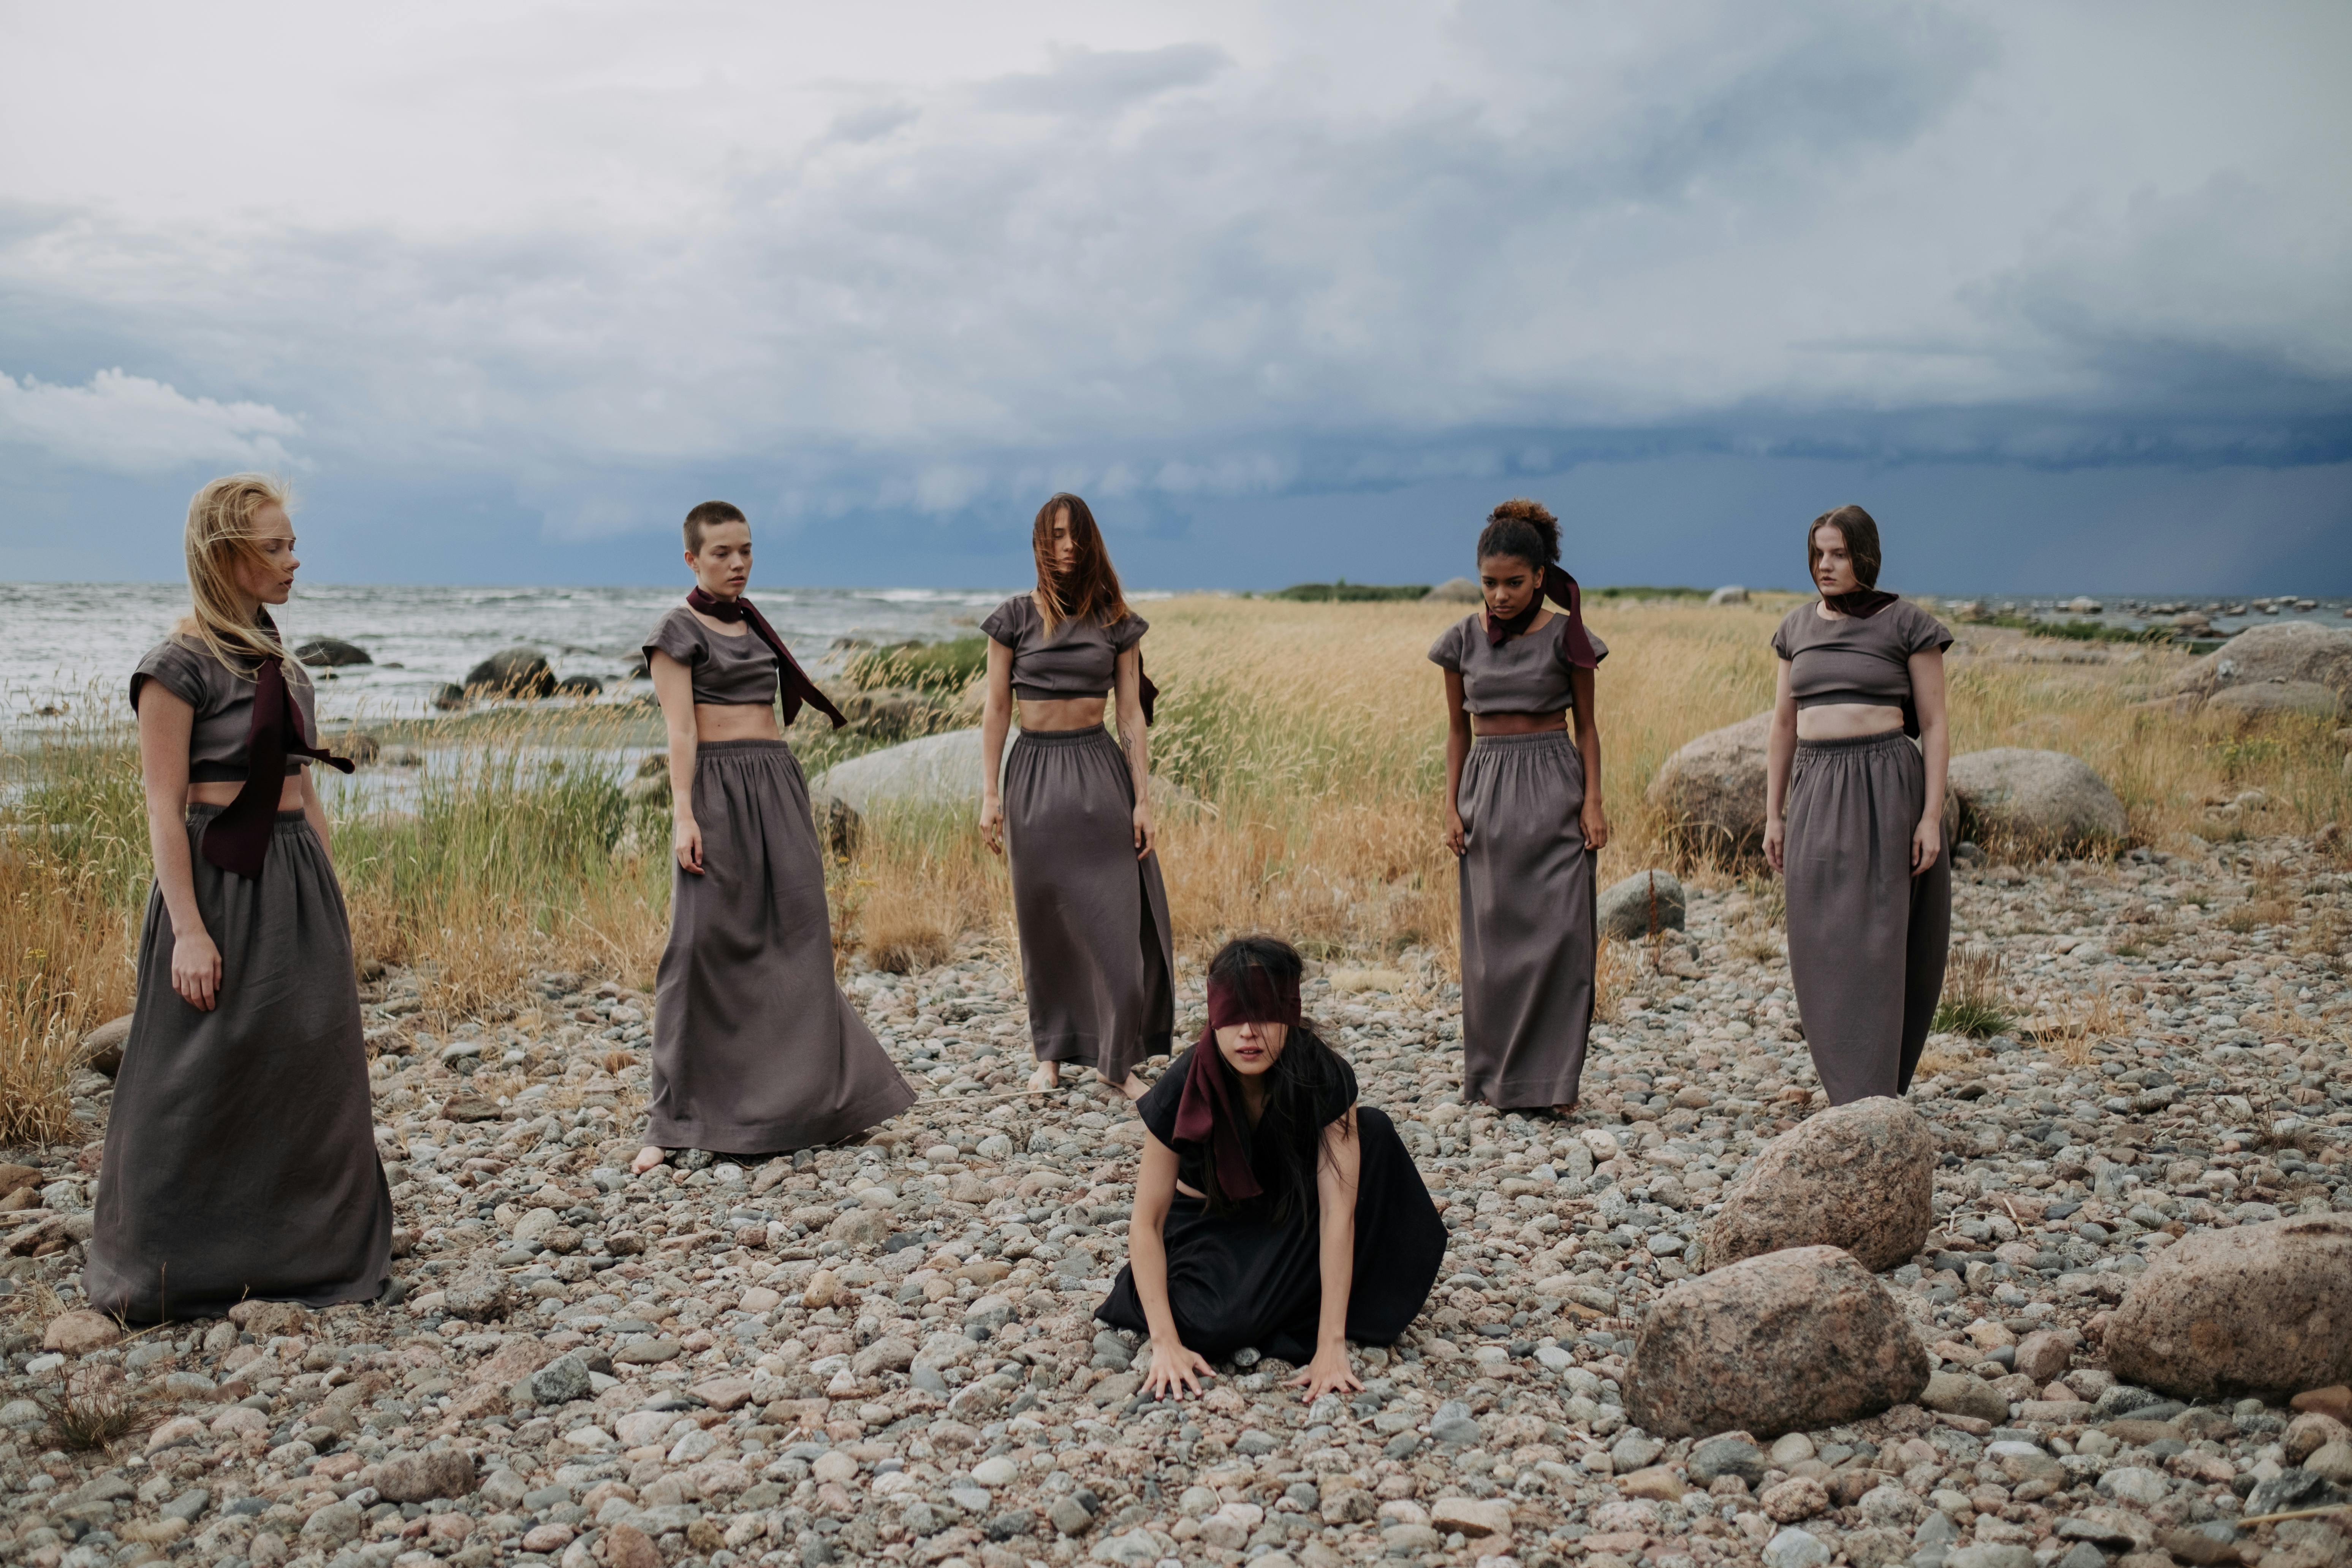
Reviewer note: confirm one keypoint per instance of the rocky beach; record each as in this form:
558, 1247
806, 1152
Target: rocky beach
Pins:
885, 1353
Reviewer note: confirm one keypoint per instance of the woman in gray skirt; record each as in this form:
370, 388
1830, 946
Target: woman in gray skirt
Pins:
756, 1051
240, 1151
1075, 808
1523, 812
1853, 811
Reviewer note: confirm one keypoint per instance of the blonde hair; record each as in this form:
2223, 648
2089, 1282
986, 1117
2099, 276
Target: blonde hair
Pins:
220, 536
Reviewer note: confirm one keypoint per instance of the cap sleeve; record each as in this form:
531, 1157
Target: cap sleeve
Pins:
1127, 633
1922, 631
1158, 1107
1009, 620
678, 637
1784, 643
1446, 651
1600, 648
181, 669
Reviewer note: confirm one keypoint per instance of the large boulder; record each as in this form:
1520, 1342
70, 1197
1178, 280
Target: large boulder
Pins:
101, 1049
2289, 651
2048, 800
1712, 791
1859, 1176
1644, 902
2256, 698
1731, 594
511, 672
937, 770
2258, 1309
1791, 1341
1454, 590
331, 653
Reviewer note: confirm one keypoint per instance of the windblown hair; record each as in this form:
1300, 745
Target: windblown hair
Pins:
1860, 530
1287, 1146
219, 539
1524, 529
708, 516
1090, 591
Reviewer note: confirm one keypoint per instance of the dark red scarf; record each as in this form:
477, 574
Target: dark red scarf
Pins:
1862, 604
796, 686
1561, 590
239, 839
1210, 1110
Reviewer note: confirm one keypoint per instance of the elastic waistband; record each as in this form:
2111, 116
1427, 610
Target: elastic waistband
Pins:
1092, 733
204, 813
1885, 739
1530, 742
704, 748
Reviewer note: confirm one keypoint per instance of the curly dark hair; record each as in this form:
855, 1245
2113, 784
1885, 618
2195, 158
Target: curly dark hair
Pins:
1523, 529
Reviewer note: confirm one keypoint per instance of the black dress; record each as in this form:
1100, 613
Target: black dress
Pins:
1238, 1278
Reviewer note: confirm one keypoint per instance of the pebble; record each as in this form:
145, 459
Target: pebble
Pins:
887, 1351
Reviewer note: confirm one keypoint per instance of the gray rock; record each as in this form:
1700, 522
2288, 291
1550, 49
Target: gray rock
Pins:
189, 1505
2290, 1489
561, 1381
1712, 791
1794, 1547
511, 672
2294, 651
1963, 1394
1641, 905
1859, 1176
936, 769
1454, 1424
2305, 698
578, 686
2082, 1554
331, 653
1989, 1554
2255, 1309
2046, 801
334, 1524
1725, 1457
1730, 594
1070, 1516
2135, 1483
479, 1295
1454, 590
101, 1049
421, 1477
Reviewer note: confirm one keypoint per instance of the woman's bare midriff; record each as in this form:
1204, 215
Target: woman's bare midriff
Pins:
1518, 723
736, 721
288, 799
1051, 716
1846, 721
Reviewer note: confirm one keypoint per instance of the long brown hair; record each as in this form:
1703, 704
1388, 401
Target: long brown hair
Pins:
219, 537
1860, 530
1090, 590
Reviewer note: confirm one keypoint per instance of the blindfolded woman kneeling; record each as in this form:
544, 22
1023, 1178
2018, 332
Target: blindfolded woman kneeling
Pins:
1272, 1211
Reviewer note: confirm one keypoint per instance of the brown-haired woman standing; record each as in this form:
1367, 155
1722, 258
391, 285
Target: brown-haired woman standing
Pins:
1854, 809
1075, 808
1523, 811
240, 1151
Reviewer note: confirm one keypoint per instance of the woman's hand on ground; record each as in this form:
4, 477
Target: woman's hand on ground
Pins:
992, 823
686, 843
1143, 830
1927, 843
1595, 822
1455, 840
1775, 842
196, 969
1174, 1369
1328, 1373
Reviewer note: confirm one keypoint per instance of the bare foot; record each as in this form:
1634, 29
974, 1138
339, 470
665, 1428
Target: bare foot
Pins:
1047, 1077
647, 1158
1133, 1087
1565, 1110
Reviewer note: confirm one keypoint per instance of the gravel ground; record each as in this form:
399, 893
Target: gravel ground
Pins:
885, 1353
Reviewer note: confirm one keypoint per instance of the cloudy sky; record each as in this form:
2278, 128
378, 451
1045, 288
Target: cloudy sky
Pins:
1289, 291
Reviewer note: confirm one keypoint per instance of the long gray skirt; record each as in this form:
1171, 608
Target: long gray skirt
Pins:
1866, 938
1527, 920
1096, 949
756, 1051
240, 1151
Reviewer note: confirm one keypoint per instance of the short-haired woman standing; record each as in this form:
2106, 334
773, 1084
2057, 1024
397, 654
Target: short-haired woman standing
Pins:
240, 1150
1074, 808
1853, 810
756, 1050
1523, 811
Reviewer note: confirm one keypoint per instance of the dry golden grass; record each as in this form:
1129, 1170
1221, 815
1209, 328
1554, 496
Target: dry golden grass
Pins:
64, 969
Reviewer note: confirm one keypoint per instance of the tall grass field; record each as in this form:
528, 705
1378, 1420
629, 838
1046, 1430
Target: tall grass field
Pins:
1305, 740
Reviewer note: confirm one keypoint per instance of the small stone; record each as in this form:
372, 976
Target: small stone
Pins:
173, 1433
822, 1288
2044, 1355
1640, 906
861, 1228
561, 1381
626, 1546
1725, 1457
1964, 1394
2336, 1402
2332, 1462
421, 1477
1000, 1471
479, 1296
547, 1538
1454, 1424
1069, 1516
1989, 1554
1798, 1498
2135, 1483
1473, 1517
650, 1351
1794, 1547
1657, 1482
889, 1354
80, 1332
2307, 1433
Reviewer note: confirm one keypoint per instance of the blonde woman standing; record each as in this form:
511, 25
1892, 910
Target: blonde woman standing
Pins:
1075, 808
240, 1155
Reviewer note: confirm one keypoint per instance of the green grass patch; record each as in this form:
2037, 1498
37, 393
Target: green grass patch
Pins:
1970, 1015
1346, 593
948, 666
2078, 631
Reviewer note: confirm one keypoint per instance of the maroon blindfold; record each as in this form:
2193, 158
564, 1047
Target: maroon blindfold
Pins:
1210, 1109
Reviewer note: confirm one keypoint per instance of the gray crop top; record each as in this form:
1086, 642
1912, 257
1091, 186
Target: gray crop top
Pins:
223, 700
1081, 661
732, 672
1528, 674
1849, 660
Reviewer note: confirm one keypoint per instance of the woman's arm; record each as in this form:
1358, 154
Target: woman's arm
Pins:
1594, 819
314, 811
1335, 1190
1174, 1368
1927, 697
1136, 736
1779, 752
995, 720
1457, 752
674, 686
165, 722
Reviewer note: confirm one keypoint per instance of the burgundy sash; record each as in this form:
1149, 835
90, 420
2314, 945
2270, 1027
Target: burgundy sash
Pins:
1862, 604
1561, 590
797, 688
1210, 1109
239, 839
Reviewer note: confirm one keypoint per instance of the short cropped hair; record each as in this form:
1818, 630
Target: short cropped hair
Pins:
708, 516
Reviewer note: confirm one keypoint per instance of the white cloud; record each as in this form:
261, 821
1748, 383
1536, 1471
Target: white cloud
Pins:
131, 423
